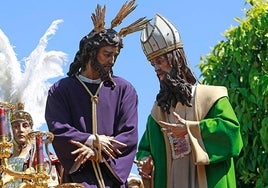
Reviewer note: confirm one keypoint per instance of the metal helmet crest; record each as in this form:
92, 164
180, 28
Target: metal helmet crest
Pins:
160, 38
20, 115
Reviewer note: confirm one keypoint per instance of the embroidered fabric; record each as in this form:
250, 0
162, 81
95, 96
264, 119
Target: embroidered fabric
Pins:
179, 146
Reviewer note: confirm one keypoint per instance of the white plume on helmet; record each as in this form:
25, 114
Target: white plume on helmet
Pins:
30, 84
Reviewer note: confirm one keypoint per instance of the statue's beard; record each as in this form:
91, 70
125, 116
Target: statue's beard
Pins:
105, 75
173, 89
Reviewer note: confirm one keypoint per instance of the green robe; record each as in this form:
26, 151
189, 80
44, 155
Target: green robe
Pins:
220, 133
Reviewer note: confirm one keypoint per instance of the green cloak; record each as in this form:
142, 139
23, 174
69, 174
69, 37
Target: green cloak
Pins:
219, 133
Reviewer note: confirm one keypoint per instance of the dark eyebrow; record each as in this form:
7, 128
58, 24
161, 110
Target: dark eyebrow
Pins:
110, 51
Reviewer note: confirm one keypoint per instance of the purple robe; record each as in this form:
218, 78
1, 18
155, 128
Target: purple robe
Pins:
69, 117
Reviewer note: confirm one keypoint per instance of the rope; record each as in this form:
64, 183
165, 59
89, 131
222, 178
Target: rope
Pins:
94, 102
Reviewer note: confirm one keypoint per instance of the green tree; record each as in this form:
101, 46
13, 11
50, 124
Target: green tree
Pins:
240, 62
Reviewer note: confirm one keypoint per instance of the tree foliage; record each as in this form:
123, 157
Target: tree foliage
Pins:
240, 62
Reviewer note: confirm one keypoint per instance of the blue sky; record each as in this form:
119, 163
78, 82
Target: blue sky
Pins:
201, 25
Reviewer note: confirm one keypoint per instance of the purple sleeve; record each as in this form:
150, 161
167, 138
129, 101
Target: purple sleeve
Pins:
59, 122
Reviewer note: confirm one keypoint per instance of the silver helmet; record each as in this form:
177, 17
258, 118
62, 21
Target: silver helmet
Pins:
159, 39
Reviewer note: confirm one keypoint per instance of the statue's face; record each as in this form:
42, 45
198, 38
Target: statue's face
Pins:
106, 57
161, 66
20, 129
105, 60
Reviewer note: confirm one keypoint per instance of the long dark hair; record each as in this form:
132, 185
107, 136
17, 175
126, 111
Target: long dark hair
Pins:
89, 47
178, 85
